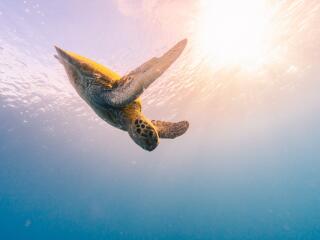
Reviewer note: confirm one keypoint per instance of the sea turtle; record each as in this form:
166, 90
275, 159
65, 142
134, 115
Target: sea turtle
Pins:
117, 99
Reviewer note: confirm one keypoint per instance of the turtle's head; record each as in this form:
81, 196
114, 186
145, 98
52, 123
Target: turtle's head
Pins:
144, 133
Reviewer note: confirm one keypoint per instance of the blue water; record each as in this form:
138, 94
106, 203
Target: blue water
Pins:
248, 168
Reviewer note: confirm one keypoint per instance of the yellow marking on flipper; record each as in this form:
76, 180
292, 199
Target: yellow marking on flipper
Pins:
96, 66
100, 68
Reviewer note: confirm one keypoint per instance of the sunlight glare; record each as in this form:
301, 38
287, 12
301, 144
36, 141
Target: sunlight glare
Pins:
234, 32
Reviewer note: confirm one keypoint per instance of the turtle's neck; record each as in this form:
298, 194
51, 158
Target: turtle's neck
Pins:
132, 112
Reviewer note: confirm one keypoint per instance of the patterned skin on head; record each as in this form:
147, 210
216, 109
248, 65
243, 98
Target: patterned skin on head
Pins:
144, 133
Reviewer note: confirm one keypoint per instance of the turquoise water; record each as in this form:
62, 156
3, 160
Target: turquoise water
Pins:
248, 168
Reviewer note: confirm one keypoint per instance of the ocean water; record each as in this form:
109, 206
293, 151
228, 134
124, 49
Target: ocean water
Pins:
248, 167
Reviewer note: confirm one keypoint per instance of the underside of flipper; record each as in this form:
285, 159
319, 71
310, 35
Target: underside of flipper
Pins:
169, 129
131, 86
88, 68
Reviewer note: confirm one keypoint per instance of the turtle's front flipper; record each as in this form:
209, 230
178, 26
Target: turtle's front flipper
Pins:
131, 86
170, 130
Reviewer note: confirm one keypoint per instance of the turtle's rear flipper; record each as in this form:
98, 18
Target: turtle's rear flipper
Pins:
131, 86
170, 130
